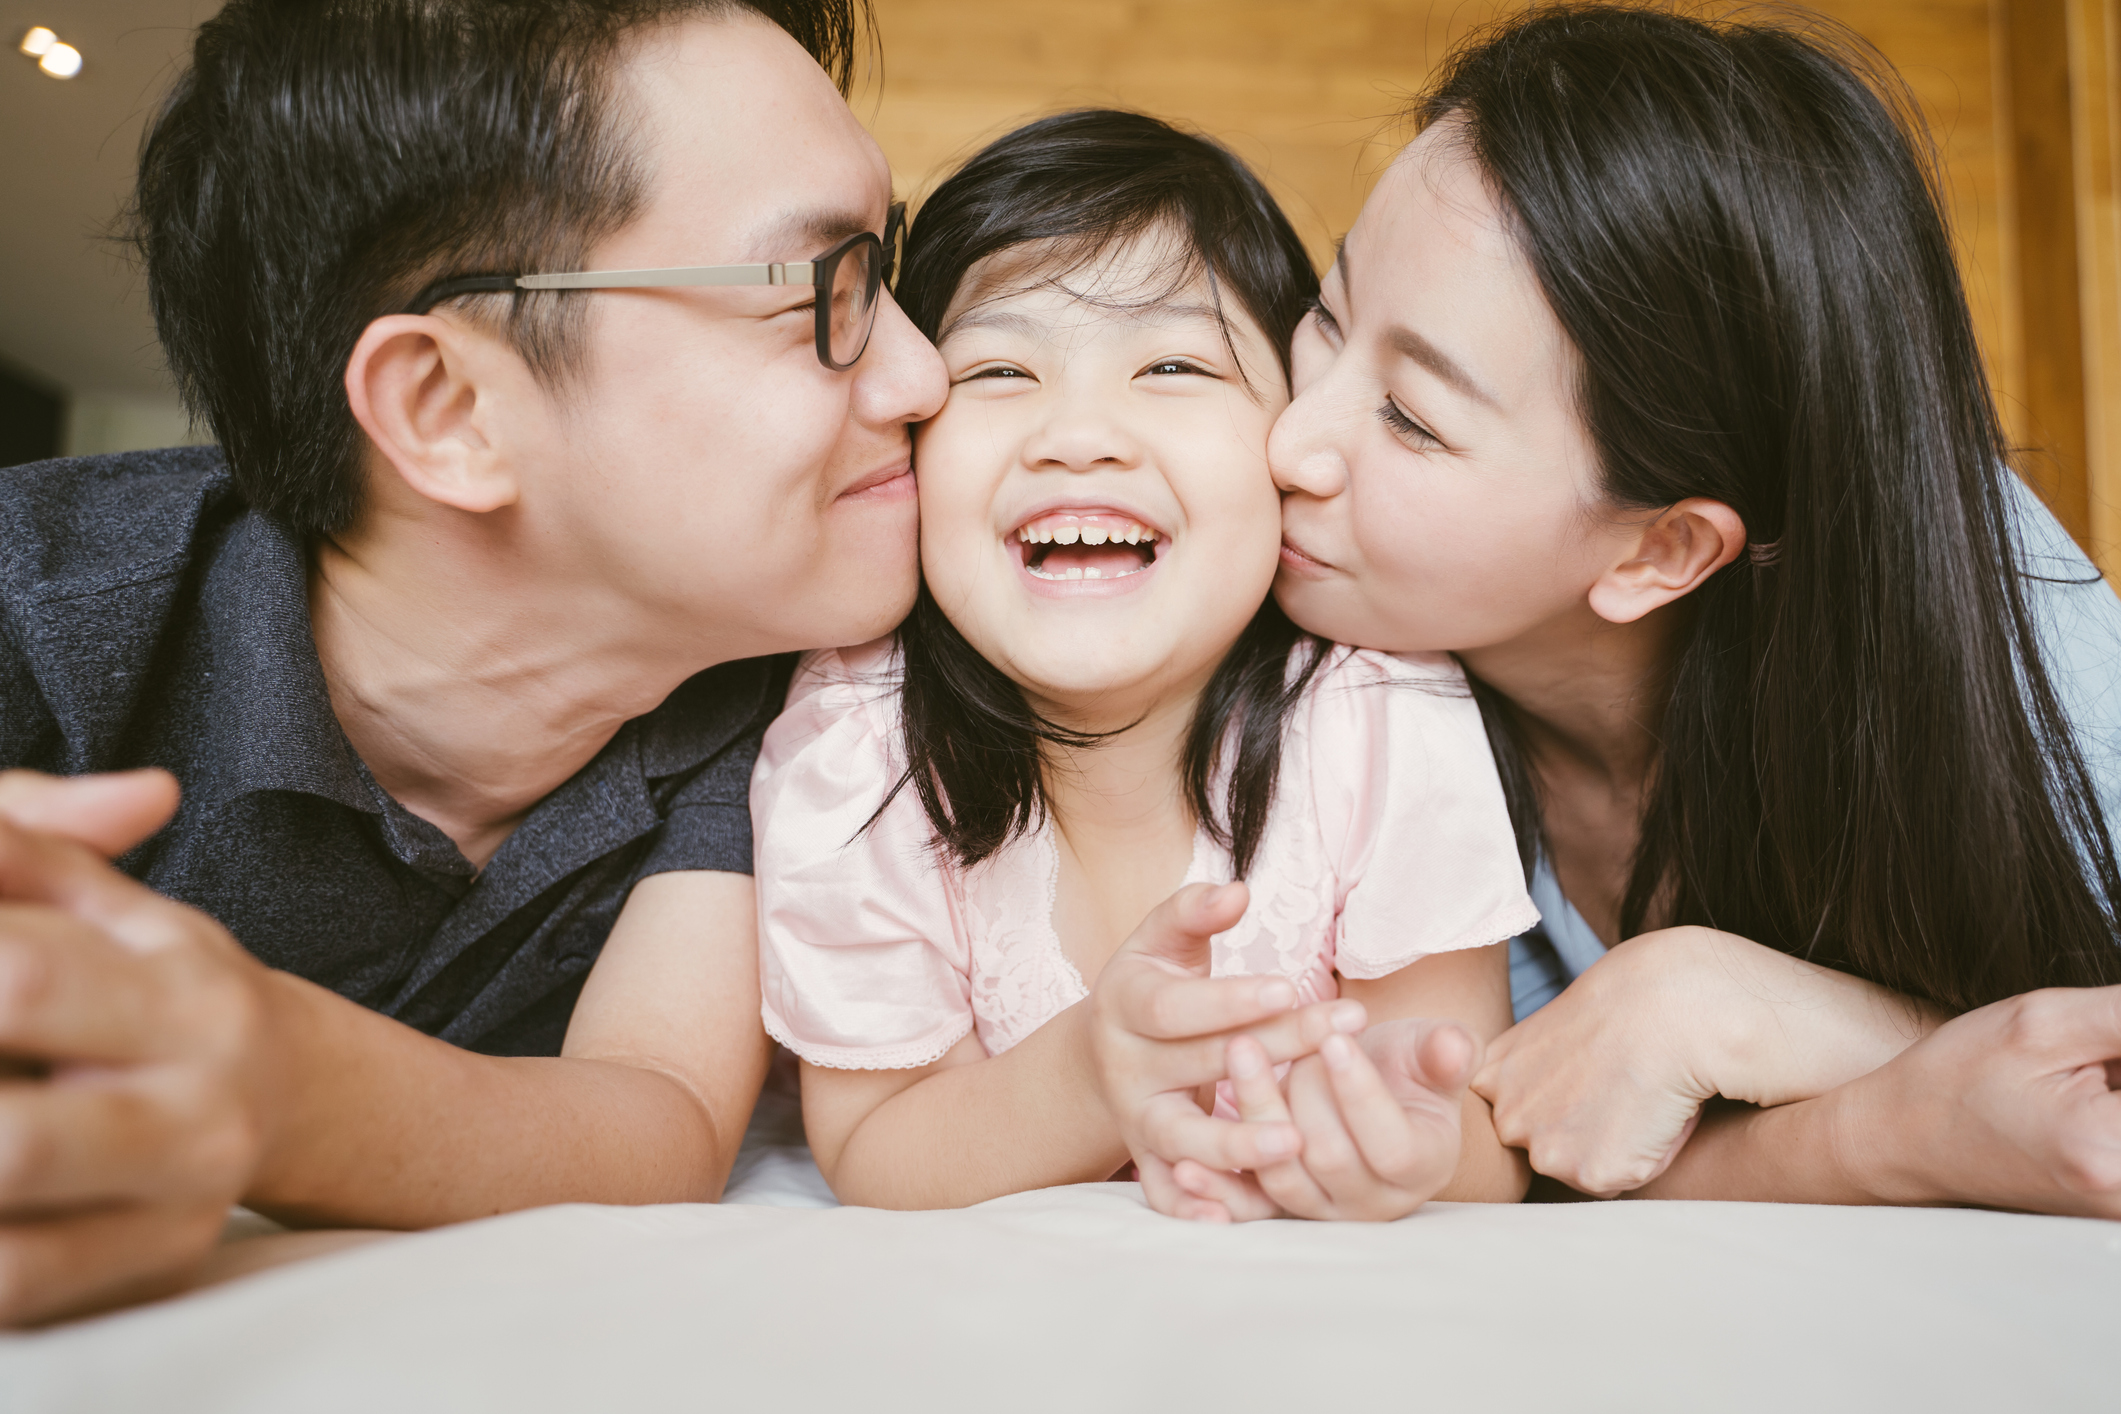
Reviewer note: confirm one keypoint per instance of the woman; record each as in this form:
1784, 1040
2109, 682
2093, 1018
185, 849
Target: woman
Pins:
1645, 383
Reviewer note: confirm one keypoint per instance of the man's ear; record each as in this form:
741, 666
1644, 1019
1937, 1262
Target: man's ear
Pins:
1675, 553
424, 390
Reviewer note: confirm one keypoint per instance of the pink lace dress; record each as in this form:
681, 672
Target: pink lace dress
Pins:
1388, 841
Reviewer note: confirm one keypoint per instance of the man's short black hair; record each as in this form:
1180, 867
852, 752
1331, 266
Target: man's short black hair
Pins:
322, 160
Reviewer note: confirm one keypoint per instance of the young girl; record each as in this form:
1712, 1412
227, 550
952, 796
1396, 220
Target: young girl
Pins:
1095, 701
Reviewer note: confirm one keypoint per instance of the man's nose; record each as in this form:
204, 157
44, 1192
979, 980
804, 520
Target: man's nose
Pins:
901, 377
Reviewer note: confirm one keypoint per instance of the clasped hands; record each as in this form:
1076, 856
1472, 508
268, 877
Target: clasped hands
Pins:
1364, 1123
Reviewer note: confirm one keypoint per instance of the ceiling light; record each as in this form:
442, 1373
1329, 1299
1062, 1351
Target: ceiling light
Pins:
38, 42
61, 61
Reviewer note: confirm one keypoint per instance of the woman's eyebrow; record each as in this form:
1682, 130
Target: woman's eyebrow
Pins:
1434, 359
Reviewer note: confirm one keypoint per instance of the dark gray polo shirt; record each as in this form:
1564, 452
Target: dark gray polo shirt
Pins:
148, 618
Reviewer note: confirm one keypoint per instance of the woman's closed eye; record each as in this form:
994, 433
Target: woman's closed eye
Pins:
1405, 427
1327, 324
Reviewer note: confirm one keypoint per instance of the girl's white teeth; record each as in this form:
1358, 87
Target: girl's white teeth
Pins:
1077, 572
1132, 534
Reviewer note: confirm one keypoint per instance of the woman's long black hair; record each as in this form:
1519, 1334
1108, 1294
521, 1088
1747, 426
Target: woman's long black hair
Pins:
1863, 760
1081, 183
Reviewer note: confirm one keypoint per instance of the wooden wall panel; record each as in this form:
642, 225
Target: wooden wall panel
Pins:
1308, 92
2095, 88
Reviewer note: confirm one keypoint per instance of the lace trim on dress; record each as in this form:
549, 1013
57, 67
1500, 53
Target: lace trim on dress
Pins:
1499, 926
910, 1056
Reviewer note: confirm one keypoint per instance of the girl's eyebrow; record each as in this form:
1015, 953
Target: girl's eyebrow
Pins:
1010, 321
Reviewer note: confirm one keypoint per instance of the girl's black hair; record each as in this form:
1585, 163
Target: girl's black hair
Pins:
1081, 183
1863, 760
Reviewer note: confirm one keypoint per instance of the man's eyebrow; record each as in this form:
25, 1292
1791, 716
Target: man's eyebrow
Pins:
801, 235
1446, 368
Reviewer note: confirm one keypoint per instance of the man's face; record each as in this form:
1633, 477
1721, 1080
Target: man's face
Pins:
708, 472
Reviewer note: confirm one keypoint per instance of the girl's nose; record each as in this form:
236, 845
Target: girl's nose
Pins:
1081, 435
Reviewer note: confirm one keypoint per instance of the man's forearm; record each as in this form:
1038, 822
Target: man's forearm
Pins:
1029, 1118
383, 1126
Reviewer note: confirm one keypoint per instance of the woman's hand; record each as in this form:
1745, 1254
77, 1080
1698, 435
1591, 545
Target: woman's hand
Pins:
1379, 1116
2014, 1105
1603, 1085
1159, 1027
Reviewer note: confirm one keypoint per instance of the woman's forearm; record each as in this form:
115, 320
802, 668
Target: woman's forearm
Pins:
1795, 1153
1029, 1118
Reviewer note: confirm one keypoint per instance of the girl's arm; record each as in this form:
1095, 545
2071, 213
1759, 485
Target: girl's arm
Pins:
969, 1127
1603, 1085
1472, 988
1119, 1068
1386, 1122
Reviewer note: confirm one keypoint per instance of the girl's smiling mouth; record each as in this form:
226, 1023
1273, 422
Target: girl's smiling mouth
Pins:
1086, 550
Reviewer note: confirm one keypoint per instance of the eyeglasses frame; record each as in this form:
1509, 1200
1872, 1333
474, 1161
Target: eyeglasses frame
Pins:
817, 273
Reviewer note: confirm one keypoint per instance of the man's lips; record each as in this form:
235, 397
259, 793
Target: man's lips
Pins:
881, 480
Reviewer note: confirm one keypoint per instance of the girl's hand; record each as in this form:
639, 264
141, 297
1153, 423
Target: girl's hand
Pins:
1379, 1117
1604, 1085
1159, 1026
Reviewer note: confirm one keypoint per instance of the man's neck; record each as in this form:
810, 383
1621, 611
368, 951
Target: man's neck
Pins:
470, 689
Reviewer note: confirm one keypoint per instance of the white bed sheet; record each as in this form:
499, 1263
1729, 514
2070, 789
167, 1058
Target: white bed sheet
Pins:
1081, 1299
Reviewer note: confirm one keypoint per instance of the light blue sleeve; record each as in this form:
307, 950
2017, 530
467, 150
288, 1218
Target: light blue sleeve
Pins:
2079, 623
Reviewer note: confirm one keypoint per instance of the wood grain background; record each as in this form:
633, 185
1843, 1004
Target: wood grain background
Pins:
2020, 95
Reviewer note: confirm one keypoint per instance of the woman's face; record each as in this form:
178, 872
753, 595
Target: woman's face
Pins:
1097, 518
1439, 487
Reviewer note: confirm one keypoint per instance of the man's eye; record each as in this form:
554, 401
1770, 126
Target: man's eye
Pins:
1394, 417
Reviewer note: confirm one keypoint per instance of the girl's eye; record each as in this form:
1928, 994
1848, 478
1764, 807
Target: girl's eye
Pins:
997, 372
1394, 417
1167, 367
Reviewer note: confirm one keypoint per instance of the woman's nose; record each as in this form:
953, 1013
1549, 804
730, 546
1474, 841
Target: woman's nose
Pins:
1304, 451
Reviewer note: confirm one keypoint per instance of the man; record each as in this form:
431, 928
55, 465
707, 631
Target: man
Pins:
458, 656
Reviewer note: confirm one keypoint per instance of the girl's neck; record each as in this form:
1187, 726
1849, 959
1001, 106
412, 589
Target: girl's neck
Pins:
1132, 781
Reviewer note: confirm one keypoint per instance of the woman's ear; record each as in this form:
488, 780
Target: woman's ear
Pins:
1671, 558
422, 388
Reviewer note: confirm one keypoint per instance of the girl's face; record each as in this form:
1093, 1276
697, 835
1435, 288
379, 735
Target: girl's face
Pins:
1097, 517
1441, 488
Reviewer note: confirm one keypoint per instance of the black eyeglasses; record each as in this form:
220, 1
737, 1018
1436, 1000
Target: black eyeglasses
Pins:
846, 278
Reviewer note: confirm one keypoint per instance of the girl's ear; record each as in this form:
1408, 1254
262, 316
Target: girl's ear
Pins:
1671, 558
425, 390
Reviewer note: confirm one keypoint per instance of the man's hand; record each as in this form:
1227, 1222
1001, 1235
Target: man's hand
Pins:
1603, 1086
1159, 1029
133, 1027
109, 813
1379, 1117
2015, 1105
